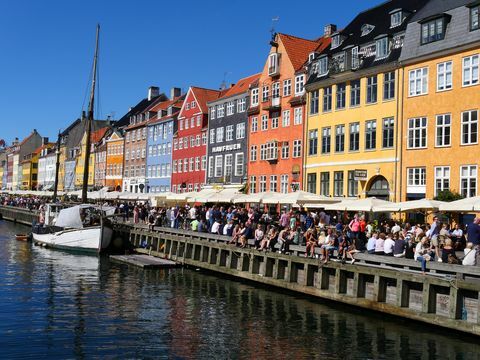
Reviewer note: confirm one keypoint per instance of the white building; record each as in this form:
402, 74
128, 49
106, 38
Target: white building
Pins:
46, 169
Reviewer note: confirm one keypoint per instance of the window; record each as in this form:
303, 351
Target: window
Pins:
241, 105
229, 133
228, 165
314, 102
340, 138
444, 76
338, 183
341, 88
418, 81
416, 176
204, 138
325, 183
180, 165
276, 90
336, 41
327, 99
352, 184
475, 17
197, 163
192, 143
210, 165
204, 162
253, 184
212, 136
254, 127
240, 131
443, 130
284, 184
265, 91
212, 112
442, 179
382, 48
388, 132
287, 87
395, 19
370, 135
297, 148
298, 114
286, 118
326, 140
312, 183
389, 85
299, 83
433, 30
187, 124
185, 165
218, 165
469, 127
323, 65
372, 89
187, 107
254, 97
275, 121
230, 106
273, 183
417, 133
219, 137
197, 141
220, 111
470, 70
273, 64
264, 122
355, 93
253, 153
285, 150
263, 183
354, 136
468, 180
355, 58
192, 122
312, 142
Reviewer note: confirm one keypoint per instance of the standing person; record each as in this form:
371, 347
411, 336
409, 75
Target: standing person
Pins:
362, 235
433, 236
172, 217
354, 227
284, 219
135, 214
126, 212
473, 236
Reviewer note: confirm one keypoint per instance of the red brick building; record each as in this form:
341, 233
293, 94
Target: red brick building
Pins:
189, 157
277, 116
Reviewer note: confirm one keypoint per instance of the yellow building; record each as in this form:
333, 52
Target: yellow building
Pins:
440, 149
354, 106
29, 166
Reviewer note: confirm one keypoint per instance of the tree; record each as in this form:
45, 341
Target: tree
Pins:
448, 196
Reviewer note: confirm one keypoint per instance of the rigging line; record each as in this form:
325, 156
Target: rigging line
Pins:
89, 80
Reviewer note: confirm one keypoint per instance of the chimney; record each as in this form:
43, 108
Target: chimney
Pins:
153, 91
44, 140
329, 29
175, 92
232, 85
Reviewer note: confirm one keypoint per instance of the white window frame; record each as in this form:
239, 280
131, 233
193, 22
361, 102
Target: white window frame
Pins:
229, 133
219, 134
240, 131
273, 181
297, 148
469, 124
440, 126
254, 97
418, 82
444, 76
287, 87
241, 105
253, 153
298, 116
441, 174
218, 165
417, 130
254, 125
285, 118
299, 84
230, 108
469, 169
211, 166
264, 123
239, 164
473, 70
253, 184
228, 171
284, 184
417, 176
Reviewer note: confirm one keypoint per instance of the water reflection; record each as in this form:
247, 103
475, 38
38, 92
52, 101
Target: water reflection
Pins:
73, 306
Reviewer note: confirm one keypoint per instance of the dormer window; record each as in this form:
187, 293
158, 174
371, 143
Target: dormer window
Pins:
433, 29
367, 29
273, 64
336, 41
475, 17
396, 18
323, 66
311, 57
382, 47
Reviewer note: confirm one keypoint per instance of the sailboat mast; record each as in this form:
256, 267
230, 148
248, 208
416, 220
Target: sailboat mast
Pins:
89, 124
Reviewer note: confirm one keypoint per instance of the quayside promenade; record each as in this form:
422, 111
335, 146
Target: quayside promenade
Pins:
447, 296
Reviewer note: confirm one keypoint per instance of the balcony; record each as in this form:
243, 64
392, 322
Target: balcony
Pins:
273, 70
272, 104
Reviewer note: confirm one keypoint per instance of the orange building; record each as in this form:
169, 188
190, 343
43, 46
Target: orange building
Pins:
114, 160
277, 116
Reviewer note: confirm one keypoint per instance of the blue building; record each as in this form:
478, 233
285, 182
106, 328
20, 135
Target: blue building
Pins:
160, 130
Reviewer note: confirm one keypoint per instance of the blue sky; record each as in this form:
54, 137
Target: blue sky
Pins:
47, 46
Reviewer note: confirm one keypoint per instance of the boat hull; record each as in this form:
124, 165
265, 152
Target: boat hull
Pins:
92, 240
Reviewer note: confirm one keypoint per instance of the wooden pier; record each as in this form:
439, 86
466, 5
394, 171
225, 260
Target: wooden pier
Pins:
143, 261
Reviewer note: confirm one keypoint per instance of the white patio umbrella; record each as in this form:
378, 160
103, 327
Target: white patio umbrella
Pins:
367, 205
223, 196
303, 197
258, 198
463, 205
422, 204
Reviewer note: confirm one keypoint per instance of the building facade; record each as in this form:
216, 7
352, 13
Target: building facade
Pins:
354, 105
442, 101
277, 116
227, 150
189, 158
100, 155
46, 167
114, 160
161, 128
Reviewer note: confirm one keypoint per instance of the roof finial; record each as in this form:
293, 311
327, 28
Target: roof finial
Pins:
272, 30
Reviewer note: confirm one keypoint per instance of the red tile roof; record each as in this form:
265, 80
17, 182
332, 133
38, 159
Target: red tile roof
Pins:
178, 102
204, 96
298, 49
241, 86
96, 136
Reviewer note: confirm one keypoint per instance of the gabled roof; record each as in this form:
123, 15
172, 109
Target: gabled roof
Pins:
139, 108
33, 133
298, 49
204, 96
176, 103
436, 7
241, 86
97, 135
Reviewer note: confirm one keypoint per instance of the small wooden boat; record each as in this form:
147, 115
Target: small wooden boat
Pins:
21, 237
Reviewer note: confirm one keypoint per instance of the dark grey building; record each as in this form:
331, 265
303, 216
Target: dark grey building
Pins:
227, 134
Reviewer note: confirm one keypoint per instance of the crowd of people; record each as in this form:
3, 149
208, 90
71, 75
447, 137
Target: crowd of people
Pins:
325, 236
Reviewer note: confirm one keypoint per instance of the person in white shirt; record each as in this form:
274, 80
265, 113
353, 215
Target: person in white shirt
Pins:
216, 227
388, 246
469, 258
396, 228
192, 213
371, 243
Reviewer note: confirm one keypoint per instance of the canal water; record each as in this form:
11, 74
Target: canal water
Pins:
57, 305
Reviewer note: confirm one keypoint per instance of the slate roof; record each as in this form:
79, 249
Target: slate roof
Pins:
436, 7
176, 103
139, 108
